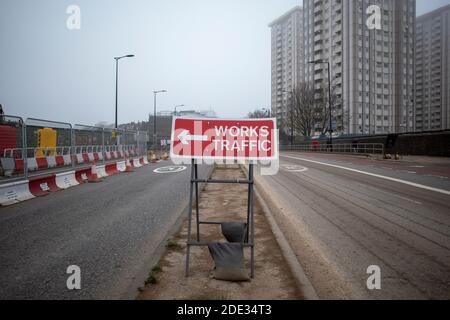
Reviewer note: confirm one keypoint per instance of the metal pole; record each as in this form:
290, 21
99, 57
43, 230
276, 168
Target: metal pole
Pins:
191, 191
196, 202
329, 106
154, 121
117, 84
25, 150
252, 234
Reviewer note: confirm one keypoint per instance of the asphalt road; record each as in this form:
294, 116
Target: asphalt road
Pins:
109, 229
395, 215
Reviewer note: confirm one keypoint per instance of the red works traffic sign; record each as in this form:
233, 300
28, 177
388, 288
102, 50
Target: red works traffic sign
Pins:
252, 139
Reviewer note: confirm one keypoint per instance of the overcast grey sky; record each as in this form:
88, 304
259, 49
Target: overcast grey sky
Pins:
206, 53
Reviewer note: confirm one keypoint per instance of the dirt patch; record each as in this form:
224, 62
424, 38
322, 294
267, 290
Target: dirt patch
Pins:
273, 278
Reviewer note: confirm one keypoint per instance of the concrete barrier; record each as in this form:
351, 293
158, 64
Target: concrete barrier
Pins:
15, 192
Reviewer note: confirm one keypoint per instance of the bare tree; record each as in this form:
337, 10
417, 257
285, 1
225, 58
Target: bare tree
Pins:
258, 114
303, 108
309, 109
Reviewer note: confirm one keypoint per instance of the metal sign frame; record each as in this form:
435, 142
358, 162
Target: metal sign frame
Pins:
250, 228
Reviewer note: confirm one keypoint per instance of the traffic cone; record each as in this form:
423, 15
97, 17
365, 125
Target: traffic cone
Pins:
128, 166
93, 177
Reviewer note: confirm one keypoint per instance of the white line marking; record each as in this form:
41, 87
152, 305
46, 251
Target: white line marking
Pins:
417, 185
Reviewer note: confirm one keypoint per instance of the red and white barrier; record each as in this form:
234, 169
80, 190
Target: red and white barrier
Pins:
137, 163
111, 169
82, 175
11, 193
121, 166
66, 180
43, 186
100, 171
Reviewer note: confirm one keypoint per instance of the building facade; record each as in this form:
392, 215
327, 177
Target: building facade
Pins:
433, 70
287, 58
372, 70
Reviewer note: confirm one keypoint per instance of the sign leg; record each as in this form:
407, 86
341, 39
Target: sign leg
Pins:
252, 221
197, 204
188, 247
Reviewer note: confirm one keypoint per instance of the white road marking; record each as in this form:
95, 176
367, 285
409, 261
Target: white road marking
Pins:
294, 168
417, 185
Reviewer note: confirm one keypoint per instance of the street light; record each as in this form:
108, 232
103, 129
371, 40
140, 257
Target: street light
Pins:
329, 97
117, 81
154, 116
176, 107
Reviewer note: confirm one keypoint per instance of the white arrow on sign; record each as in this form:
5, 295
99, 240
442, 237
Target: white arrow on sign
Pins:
185, 136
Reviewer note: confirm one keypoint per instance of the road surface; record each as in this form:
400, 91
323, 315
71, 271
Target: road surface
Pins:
109, 229
343, 214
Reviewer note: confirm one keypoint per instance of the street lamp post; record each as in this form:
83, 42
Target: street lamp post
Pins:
154, 116
176, 107
329, 98
117, 82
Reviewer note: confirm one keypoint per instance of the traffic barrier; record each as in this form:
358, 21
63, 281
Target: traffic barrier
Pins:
51, 162
91, 157
15, 192
92, 175
67, 160
128, 166
32, 164
43, 186
79, 159
59, 161
8, 165
85, 157
101, 171
137, 163
111, 169
108, 155
42, 163
82, 175
66, 180
121, 166
145, 160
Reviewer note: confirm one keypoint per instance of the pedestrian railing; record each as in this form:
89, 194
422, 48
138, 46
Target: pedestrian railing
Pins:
347, 148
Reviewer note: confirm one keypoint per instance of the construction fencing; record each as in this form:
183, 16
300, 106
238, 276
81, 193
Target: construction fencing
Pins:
37, 146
